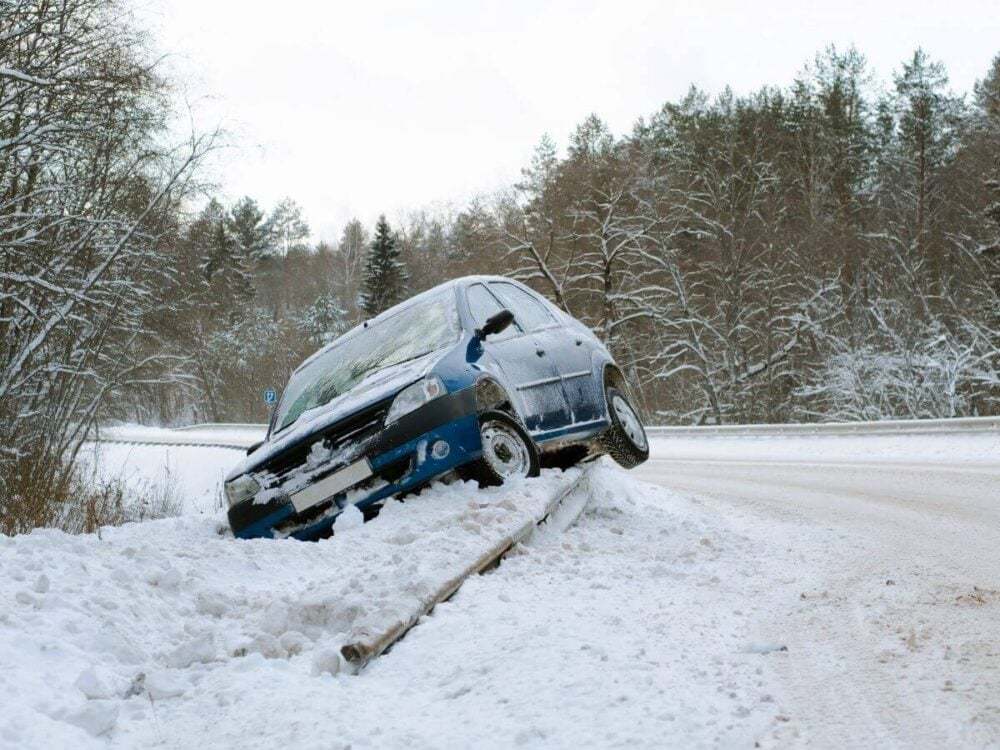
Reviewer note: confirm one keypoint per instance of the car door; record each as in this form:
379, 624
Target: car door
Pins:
568, 349
537, 384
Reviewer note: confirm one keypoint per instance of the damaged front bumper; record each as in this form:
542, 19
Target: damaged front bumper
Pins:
417, 448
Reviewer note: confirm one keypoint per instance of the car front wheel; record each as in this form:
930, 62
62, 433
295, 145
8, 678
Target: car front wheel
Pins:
508, 451
625, 441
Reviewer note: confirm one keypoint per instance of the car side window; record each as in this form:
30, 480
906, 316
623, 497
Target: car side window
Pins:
530, 312
482, 305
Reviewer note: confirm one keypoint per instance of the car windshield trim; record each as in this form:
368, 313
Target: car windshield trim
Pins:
415, 331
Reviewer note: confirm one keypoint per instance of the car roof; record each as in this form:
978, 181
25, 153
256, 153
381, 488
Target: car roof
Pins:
415, 300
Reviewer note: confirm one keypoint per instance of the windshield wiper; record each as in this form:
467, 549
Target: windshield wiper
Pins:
404, 360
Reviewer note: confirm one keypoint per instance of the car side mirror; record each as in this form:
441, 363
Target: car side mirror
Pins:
496, 323
254, 447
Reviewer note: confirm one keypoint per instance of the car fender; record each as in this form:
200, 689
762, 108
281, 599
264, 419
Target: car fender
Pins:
492, 395
472, 365
611, 374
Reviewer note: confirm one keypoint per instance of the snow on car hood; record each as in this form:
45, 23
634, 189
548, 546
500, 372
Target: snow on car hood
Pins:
379, 385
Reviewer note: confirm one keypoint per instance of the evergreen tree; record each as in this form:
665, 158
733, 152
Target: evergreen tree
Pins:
385, 274
843, 139
251, 231
986, 146
928, 133
226, 276
324, 320
988, 127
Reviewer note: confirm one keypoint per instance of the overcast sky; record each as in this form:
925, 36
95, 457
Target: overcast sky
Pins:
359, 108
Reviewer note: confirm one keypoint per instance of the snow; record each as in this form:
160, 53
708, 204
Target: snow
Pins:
149, 612
879, 578
781, 591
191, 474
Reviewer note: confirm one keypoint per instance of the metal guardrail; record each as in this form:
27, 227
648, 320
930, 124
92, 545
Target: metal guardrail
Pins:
221, 427
212, 435
175, 443
208, 435
820, 429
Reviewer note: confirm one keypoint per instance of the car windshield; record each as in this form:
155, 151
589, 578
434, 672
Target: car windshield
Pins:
412, 332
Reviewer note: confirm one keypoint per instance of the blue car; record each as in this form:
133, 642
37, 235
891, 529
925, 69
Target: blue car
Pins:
481, 377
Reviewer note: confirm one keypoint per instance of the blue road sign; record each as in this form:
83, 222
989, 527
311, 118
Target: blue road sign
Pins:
270, 396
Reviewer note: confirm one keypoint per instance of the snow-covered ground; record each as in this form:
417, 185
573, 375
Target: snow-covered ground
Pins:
190, 474
776, 593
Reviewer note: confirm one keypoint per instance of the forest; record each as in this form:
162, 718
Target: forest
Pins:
821, 249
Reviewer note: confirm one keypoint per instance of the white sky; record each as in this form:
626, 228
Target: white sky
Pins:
359, 108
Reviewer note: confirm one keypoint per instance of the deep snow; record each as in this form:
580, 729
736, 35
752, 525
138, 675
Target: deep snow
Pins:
103, 628
190, 474
659, 618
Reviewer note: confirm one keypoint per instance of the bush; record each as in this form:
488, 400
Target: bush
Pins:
55, 494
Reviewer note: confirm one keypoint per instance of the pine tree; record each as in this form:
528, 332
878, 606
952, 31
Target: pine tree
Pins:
227, 282
324, 320
385, 274
246, 222
988, 102
928, 133
987, 130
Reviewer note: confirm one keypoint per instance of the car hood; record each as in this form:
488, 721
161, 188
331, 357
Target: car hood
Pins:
378, 386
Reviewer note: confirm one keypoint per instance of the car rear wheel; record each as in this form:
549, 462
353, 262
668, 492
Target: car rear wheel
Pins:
625, 441
508, 451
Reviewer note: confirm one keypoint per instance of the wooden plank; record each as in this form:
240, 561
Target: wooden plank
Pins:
359, 652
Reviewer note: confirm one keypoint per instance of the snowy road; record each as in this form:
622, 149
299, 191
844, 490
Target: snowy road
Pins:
886, 591
783, 592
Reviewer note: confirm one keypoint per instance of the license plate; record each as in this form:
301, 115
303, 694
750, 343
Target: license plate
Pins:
330, 485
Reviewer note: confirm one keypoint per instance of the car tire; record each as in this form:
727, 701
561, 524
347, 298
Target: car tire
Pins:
508, 451
625, 441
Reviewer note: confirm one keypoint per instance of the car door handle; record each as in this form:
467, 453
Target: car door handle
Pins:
540, 352
579, 342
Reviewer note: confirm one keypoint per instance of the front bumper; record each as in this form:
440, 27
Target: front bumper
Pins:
400, 457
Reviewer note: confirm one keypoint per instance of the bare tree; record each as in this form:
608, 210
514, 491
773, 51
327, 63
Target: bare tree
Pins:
84, 199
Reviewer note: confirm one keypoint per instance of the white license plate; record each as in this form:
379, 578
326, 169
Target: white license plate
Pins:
329, 486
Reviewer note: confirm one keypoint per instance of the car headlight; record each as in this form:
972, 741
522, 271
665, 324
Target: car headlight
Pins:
241, 488
413, 396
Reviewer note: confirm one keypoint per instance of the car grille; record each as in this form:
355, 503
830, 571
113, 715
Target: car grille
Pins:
359, 428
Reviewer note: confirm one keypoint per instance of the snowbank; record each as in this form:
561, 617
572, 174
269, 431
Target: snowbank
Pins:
192, 474
99, 632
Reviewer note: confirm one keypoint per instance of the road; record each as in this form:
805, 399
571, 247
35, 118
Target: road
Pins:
886, 592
